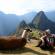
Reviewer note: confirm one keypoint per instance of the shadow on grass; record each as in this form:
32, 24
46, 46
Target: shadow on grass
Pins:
19, 51
51, 51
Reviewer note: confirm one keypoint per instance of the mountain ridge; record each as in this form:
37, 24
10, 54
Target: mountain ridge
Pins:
9, 22
42, 22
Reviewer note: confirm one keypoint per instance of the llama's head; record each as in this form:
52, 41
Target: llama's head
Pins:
28, 29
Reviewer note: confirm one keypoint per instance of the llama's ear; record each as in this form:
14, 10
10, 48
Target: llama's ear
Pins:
30, 30
25, 29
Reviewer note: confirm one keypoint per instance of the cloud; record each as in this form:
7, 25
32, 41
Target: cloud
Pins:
45, 5
24, 6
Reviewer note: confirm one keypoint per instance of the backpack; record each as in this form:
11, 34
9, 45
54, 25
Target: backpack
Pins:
50, 41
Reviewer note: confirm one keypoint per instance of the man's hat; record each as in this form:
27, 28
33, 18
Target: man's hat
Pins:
48, 31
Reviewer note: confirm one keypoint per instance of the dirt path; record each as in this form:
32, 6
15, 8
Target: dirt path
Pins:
29, 49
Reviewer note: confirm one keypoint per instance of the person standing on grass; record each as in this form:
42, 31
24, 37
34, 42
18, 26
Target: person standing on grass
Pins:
46, 39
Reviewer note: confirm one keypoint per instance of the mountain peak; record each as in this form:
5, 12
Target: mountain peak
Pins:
41, 12
40, 17
23, 23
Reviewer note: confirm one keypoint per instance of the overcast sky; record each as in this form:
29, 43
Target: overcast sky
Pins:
20, 7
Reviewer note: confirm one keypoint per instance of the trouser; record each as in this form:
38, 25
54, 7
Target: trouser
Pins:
39, 43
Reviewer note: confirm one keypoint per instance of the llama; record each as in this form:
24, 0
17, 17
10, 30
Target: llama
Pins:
14, 42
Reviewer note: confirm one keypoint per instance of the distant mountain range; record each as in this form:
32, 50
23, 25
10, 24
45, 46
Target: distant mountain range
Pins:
51, 15
9, 22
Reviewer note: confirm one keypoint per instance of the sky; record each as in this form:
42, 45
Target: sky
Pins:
20, 7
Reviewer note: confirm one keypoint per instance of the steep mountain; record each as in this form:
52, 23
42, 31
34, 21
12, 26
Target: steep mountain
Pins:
23, 24
41, 22
21, 27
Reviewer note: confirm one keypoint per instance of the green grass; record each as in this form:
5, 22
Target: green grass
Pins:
35, 33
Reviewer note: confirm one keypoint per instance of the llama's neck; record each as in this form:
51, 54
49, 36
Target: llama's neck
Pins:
23, 34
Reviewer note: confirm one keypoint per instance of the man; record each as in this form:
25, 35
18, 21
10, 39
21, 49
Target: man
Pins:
46, 40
